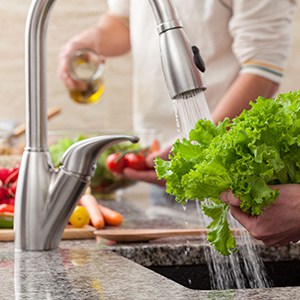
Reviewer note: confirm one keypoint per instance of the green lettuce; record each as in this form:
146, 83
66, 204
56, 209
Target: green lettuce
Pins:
259, 147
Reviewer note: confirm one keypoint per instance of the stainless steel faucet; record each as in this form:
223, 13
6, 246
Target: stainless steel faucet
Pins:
46, 197
181, 62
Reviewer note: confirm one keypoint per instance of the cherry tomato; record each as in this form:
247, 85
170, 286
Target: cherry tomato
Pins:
115, 162
135, 161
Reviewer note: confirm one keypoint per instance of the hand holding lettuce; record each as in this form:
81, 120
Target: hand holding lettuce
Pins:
258, 148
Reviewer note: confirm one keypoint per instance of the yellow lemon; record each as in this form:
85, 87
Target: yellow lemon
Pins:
79, 217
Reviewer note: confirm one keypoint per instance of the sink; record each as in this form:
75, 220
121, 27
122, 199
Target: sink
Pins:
185, 263
280, 273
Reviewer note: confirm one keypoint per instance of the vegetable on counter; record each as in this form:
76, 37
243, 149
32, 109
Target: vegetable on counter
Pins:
6, 220
10, 208
79, 217
111, 217
100, 215
91, 204
257, 148
8, 185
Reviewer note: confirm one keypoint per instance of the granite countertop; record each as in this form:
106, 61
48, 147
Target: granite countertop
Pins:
91, 269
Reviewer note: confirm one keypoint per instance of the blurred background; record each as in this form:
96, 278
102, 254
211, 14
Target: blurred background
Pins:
67, 19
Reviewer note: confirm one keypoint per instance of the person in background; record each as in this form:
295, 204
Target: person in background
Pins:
279, 223
244, 44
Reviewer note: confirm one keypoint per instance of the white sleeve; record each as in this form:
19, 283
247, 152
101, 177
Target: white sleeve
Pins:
119, 7
261, 32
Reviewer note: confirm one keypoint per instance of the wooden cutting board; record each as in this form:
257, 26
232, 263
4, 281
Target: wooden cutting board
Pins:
70, 233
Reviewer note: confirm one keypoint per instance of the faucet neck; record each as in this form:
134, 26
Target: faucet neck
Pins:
165, 14
35, 75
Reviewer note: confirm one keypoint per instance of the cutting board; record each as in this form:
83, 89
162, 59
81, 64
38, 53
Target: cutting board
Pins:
70, 233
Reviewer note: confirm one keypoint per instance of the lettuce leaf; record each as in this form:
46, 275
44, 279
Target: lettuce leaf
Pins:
259, 147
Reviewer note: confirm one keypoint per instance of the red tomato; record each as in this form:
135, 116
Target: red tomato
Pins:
3, 192
11, 190
115, 162
10, 201
4, 173
7, 208
13, 175
135, 161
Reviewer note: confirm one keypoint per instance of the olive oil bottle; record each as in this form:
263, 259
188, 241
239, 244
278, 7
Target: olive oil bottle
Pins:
86, 68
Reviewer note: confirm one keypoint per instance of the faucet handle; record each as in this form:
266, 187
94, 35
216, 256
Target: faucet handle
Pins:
82, 156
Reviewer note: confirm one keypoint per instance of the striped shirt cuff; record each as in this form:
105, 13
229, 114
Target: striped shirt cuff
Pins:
266, 70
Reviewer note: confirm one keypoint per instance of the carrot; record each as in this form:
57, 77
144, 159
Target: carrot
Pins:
91, 204
110, 216
154, 146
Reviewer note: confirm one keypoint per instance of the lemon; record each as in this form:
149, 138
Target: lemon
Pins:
79, 217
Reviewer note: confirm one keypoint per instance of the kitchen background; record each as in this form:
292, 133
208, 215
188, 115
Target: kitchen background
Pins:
67, 19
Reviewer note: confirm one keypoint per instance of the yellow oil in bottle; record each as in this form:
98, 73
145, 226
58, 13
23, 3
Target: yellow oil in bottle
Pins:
87, 68
91, 95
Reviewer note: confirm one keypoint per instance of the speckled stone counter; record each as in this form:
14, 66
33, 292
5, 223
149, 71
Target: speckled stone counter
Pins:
90, 269
82, 270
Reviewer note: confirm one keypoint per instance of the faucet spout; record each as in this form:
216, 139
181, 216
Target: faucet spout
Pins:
181, 62
45, 196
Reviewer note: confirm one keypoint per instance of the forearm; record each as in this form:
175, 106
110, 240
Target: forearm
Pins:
110, 37
245, 88
114, 36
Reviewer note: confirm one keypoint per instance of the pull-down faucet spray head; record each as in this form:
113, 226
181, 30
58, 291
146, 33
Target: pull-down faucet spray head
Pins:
181, 62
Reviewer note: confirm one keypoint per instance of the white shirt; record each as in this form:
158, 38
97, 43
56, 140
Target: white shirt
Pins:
248, 36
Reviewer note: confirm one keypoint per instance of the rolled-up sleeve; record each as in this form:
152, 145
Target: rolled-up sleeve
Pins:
120, 9
262, 35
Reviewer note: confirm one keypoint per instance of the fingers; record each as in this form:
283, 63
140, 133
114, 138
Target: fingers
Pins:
150, 160
63, 68
162, 153
229, 198
244, 219
146, 176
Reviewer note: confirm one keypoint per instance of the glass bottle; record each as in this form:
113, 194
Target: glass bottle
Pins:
86, 67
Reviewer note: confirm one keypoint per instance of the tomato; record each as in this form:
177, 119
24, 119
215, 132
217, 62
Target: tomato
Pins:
115, 162
79, 217
13, 175
11, 190
7, 208
135, 161
4, 173
3, 192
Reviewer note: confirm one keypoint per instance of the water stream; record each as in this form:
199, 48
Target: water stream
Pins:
243, 269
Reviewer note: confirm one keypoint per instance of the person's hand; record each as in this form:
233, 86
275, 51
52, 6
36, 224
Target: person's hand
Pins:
279, 223
86, 39
148, 175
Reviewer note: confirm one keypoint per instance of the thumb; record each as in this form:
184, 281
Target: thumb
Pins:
228, 197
